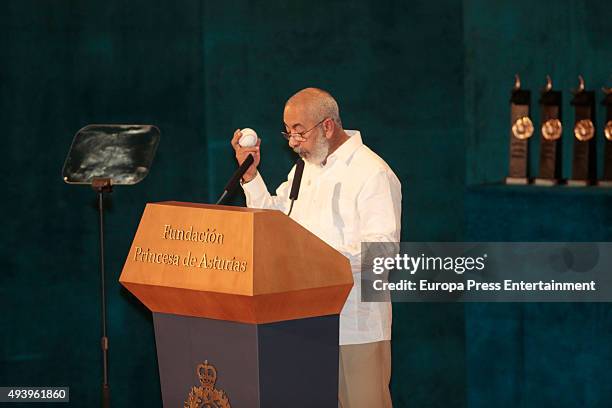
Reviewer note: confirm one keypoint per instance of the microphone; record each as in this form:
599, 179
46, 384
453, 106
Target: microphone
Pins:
297, 180
233, 182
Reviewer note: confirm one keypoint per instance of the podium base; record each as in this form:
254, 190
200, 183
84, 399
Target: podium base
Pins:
285, 364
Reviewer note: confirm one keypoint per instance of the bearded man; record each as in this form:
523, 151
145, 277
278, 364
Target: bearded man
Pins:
348, 195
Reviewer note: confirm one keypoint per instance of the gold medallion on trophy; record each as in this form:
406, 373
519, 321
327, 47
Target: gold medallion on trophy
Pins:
551, 129
584, 130
522, 128
608, 130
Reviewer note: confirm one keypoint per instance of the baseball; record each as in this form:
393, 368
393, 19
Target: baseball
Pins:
248, 138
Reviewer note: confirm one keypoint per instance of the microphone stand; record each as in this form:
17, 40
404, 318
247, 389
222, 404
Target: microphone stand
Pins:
101, 186
233, 182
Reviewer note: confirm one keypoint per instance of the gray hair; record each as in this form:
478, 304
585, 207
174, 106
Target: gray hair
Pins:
321, 104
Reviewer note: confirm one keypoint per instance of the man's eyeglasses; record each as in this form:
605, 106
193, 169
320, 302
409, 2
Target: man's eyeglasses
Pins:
288, 135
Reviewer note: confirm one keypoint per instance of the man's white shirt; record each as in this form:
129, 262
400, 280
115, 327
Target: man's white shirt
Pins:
355, 197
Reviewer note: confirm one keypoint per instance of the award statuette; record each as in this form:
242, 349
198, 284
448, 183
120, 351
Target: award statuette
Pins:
521, 129
550, 140
607, 177
584, 165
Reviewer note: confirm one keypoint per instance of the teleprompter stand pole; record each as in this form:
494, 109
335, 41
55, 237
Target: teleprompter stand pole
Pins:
101, 157
101, 186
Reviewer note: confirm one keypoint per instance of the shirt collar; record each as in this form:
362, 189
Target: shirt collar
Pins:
345, 151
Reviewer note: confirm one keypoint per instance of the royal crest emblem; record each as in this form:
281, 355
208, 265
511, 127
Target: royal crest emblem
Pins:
206, 395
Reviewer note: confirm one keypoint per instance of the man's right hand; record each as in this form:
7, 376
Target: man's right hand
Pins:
243, 152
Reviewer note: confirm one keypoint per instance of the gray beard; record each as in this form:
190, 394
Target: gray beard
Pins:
319, 152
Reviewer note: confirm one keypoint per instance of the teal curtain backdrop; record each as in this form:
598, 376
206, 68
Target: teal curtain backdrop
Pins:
533, 355
427, 83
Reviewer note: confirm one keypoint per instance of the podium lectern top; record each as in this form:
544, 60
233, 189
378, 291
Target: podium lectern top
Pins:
232, 263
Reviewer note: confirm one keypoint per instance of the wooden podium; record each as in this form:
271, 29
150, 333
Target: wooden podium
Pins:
245, 306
